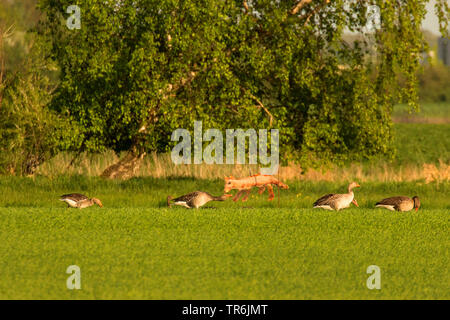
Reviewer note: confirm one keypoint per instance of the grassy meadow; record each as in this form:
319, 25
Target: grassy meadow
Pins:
434, 113
135, 247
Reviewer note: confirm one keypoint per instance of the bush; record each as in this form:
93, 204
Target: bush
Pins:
29, 132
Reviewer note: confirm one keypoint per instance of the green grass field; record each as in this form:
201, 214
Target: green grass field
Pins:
428, 113
422, 143
135, 247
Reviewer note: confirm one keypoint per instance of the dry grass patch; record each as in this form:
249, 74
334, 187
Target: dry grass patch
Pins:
161, 166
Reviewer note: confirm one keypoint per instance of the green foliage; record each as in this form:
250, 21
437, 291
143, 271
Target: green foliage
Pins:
30, 133
21, 16
137, 70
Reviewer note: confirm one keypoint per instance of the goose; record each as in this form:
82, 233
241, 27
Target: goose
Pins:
77, 200
336, 201
195, 199
400, 203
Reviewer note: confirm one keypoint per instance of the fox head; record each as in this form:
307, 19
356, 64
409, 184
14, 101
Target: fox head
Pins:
229, 185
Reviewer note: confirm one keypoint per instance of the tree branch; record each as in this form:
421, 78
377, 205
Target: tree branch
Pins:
3, 35
245, 4
168, 92
261, 106
299, 6
316, 9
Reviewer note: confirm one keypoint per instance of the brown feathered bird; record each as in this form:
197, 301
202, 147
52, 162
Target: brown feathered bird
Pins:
400, 203
77, 200
337, 201
195, 199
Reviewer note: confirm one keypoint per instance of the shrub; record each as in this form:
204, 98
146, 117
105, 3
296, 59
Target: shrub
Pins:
28, 130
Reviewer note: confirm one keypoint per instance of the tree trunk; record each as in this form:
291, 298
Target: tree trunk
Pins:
126, 168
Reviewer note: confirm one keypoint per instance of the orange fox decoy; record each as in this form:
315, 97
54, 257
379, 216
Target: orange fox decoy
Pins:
244, 185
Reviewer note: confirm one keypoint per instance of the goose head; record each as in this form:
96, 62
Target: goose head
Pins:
353, 185
416, 202
97, 202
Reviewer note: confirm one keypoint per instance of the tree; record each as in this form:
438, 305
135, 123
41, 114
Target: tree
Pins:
30, 133
18, 17
136, 70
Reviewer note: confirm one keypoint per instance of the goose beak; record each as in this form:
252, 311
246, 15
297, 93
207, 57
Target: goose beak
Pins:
355, 203
357, 185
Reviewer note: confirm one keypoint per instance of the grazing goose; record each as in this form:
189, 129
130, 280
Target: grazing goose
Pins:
335, 201
400, 203
195, 199
77, 200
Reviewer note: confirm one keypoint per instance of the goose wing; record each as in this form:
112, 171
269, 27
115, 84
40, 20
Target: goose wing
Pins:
393, 201
74, 197
326, 199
